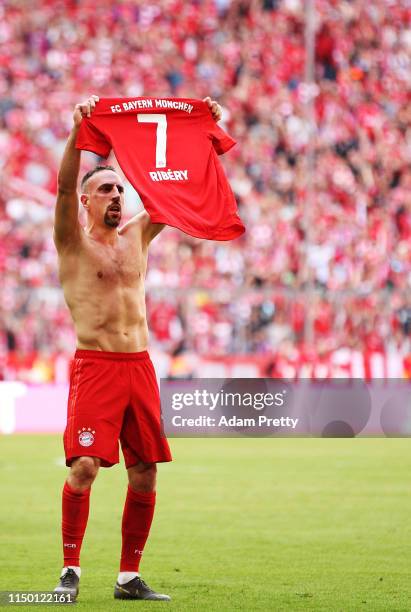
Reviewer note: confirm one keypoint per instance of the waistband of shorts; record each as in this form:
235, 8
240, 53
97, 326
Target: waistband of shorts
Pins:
110, 355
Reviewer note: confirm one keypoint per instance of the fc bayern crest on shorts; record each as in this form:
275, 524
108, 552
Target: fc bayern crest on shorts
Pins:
86, 436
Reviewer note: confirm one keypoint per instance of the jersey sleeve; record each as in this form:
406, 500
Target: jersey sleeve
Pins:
89, 138
222, 142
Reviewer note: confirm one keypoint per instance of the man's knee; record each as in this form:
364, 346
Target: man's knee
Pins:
83, 472
142, 477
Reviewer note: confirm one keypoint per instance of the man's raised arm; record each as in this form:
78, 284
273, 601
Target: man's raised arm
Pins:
66, 223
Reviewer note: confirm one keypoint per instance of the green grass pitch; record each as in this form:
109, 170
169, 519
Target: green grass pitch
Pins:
241, 524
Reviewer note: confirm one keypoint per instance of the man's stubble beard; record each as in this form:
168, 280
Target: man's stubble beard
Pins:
111, 222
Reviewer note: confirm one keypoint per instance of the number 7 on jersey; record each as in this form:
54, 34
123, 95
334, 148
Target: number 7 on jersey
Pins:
161, 140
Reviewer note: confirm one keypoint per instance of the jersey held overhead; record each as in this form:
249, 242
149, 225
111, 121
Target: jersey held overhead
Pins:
167, 148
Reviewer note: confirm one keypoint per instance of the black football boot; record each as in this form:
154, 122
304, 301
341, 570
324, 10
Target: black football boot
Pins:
137, 589
69, 584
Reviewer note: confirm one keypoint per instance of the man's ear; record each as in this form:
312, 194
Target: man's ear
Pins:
84, 200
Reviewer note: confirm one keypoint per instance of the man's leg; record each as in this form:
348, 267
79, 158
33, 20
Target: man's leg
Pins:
76, 501
138, 515
137, 518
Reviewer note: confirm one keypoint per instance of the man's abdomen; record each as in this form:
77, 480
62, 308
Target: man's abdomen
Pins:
111, 321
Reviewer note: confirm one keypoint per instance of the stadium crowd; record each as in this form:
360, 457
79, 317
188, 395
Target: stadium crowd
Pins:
321, 172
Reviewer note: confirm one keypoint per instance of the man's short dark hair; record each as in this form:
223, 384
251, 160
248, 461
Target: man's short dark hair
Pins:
91, 173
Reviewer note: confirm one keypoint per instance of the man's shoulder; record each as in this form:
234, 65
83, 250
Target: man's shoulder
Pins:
142, 226
136, 224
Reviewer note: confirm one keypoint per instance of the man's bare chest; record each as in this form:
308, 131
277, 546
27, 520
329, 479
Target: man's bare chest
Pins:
124, 264
96, 265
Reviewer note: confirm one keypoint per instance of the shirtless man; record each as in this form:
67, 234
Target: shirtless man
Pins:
113, 390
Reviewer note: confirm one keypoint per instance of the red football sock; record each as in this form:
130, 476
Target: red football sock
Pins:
74, 521
137, 518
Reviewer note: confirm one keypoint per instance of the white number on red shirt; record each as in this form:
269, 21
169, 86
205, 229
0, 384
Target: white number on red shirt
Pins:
161, 143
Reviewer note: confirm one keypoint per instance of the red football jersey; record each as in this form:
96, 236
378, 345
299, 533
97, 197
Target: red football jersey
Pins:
167, 148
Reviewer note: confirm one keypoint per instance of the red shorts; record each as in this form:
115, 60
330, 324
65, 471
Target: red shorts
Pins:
114, 396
